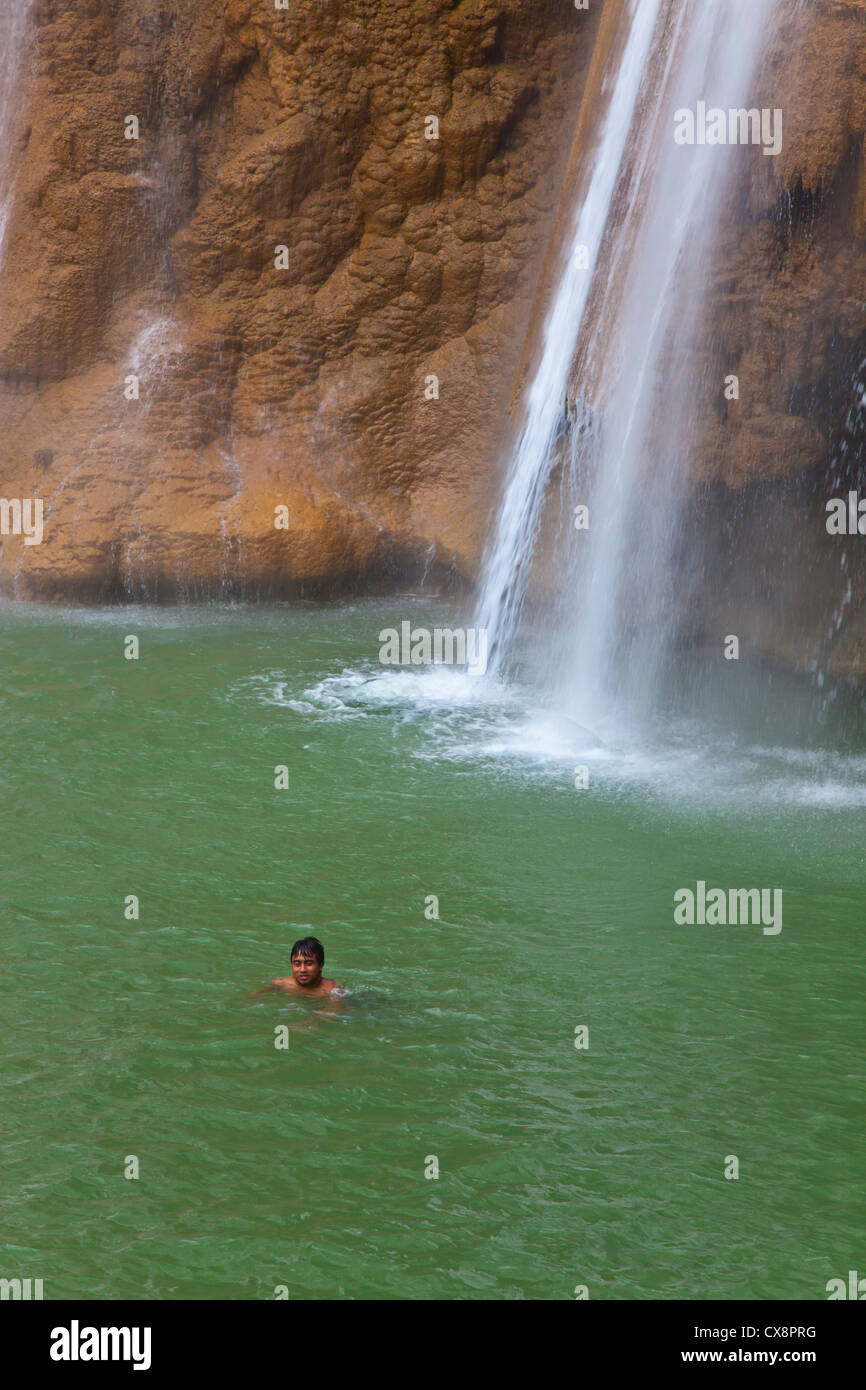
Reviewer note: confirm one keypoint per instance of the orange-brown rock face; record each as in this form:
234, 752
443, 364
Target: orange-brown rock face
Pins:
292, 290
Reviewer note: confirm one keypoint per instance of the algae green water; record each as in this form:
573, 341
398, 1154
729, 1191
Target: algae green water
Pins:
559, 1166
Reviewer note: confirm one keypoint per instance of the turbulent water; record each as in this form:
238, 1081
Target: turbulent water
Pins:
558, 1167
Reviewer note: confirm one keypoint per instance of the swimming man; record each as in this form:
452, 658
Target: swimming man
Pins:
308, 959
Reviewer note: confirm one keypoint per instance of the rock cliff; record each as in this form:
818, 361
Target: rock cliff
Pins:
307, 283
303, 285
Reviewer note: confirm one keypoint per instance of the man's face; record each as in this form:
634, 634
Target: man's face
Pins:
306, 971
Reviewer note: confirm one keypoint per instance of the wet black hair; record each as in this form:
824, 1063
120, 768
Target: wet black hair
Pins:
308, 946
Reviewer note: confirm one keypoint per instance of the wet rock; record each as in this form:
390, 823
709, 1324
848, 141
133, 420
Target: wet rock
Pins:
270, 378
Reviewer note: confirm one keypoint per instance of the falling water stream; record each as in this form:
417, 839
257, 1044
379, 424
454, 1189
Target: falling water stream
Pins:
14, 32
626, 443
510, 555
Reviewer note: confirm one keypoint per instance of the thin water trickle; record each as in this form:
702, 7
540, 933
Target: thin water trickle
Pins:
14, 49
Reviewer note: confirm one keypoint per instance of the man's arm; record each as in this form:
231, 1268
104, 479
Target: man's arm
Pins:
272, 988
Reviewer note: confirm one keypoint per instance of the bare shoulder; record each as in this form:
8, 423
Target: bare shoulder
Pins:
286, 983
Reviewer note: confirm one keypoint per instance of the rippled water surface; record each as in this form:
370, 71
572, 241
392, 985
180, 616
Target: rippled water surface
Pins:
305, 1168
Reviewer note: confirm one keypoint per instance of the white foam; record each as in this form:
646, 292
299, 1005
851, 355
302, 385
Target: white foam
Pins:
449, 717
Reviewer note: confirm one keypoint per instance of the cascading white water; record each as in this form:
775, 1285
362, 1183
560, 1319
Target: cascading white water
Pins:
656, 205
510, 554
14, 45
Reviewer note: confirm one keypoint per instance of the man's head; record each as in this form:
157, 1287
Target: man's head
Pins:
308, 959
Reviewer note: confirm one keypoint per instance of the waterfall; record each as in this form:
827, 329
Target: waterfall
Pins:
510, 554
620, 340
14, 33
